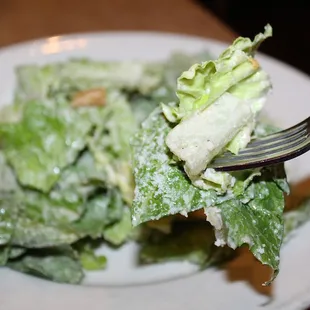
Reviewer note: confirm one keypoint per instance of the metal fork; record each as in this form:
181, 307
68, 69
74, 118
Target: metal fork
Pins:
273, 149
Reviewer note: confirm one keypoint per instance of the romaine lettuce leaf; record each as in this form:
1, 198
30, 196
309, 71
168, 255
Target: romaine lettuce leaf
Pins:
36, 234
110, 144
8, 217
203, 83
251, 214
120, 231
161, 189
8, 181
218, 103
90, 260
56, 136
58, 264
257, 223
39, 82
198, 139
102, 209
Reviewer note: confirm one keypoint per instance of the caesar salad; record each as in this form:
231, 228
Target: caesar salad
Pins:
95, 152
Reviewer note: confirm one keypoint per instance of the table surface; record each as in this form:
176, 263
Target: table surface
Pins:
22, 20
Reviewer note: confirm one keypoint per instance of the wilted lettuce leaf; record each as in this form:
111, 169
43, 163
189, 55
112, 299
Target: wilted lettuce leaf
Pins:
110, 144
88, 258
258, 222
37, 82
161, 189
8, 217
188, 241
104, 208
91, 261
203, 83
56, 136
120, 231
253, 216
36, 234
58, 264
8, 181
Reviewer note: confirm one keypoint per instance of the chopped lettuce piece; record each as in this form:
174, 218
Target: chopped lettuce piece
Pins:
8, 181
33, 234
58, 264
242, 138
119, 232
203, 83
161, 189
56, 136
37, 82
104, 208
218, 103
251, 214
91, 261
258, 223
198, 139
110, 144
8, 217
221, 182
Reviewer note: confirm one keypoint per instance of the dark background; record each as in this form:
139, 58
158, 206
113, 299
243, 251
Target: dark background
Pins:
290, 21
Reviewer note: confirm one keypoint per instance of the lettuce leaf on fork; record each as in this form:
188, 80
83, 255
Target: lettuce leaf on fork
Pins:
218, 104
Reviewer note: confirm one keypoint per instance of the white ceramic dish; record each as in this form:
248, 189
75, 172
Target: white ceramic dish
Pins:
175, 285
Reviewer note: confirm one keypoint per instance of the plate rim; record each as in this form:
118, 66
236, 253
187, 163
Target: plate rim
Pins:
154, 33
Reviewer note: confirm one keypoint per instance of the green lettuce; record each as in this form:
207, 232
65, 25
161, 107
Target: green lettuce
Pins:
103, 208
59, 264
161, 189
56, 136
40, 82
218, 103
120, 231
110, 144
89, 259
252, 214
235, 71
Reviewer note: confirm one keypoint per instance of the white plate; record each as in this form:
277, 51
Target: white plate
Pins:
170, 286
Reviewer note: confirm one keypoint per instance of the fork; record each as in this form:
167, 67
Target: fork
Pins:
272, 149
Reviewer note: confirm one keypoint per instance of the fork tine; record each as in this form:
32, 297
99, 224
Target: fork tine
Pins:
275, 148
229, 159
283, 134
267, 144
243, 165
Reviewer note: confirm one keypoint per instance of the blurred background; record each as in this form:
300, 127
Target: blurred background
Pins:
290, 21
22, 20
